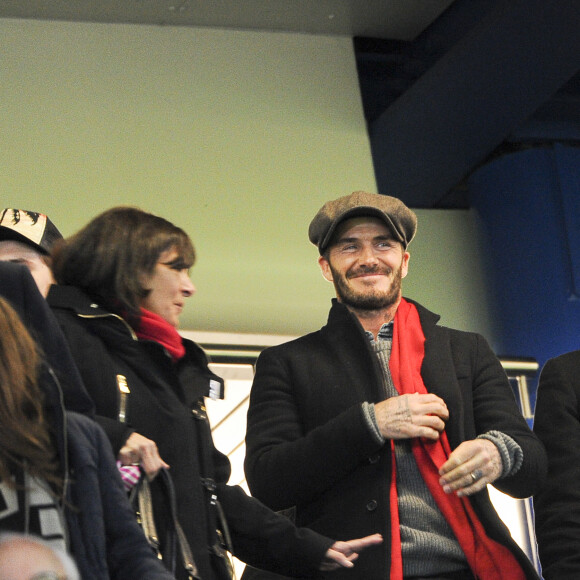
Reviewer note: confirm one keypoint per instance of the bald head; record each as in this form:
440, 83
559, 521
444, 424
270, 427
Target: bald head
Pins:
26, 558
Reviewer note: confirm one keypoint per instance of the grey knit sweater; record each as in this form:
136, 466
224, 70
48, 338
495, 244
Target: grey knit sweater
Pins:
428, 544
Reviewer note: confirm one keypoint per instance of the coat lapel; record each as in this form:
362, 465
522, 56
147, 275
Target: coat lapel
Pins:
346, 337
439, 373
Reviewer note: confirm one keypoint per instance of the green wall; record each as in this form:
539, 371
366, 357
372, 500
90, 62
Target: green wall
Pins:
237, 137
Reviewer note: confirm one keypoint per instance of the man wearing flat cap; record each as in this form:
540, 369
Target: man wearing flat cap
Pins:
384, 421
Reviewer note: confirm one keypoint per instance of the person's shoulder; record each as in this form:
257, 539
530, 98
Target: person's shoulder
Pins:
194, 350
458, 334
568, 357
566, 361
81, 427
72, 299
426, 316
294, 344
461, 341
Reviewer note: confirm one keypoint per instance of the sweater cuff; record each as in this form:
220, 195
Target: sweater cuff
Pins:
368, 410
511, 453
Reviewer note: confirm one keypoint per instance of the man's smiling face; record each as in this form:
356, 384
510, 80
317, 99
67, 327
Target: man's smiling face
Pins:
366, 264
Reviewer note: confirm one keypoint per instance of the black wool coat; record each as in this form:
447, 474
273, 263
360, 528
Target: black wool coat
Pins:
104, 538
557, 505
166, 405
308, 445
18, 287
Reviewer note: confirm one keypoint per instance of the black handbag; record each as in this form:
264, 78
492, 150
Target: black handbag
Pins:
174, 538
176, 550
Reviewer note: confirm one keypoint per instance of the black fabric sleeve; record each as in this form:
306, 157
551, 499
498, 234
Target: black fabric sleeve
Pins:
557, 505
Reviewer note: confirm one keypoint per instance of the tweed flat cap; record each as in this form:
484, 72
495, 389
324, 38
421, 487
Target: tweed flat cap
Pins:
29, 227
397, 216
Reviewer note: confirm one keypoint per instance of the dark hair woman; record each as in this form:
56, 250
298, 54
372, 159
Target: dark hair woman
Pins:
112, 258
123, 282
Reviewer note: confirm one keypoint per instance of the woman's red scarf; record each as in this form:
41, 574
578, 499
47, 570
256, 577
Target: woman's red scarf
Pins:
487, 559
153, 327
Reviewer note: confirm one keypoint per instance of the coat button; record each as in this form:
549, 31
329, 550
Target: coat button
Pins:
199, 412
374, 458
372, 505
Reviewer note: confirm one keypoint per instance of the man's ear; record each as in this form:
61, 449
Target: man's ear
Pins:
325, 268
405, 264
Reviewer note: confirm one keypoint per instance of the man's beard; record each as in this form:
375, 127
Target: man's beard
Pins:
371, 298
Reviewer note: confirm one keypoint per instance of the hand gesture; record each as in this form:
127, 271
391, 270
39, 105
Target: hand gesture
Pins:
343, 554
408, 416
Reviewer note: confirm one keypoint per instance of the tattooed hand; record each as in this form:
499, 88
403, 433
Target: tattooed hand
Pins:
408, 416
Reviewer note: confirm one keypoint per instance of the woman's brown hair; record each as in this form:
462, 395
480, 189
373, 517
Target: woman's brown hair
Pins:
25, 439
110, 257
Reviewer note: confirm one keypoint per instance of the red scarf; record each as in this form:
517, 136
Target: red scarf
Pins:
153, 327
487, 559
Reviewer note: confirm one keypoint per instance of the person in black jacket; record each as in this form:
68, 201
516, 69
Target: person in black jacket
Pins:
58, 478
19, 287
383, 419
123, 281
557, 505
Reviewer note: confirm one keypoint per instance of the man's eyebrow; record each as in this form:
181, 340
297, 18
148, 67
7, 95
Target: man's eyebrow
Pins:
382, 237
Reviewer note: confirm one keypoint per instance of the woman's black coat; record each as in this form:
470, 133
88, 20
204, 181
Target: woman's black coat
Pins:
166, 404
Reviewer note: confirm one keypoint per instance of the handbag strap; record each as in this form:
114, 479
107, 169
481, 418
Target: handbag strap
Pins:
140, 498
175, 538
222, 545
184, 547
147, 521
186, 555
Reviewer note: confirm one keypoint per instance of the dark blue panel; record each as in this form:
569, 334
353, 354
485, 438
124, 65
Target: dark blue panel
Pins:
519, 198
567, 160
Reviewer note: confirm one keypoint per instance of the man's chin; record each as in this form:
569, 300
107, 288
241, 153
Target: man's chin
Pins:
368, 302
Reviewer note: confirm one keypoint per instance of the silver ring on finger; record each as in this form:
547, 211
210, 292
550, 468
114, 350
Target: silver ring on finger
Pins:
476, 475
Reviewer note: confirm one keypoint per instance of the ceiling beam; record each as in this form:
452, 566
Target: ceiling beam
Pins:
469, 101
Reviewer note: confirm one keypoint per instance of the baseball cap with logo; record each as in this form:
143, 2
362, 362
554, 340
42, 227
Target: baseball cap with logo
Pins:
29, 227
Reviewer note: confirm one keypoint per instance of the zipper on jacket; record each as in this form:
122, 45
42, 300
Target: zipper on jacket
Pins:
111, 315
65, 459
124, 390
124, 393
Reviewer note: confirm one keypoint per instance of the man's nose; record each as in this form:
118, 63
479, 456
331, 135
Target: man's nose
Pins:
367, 256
